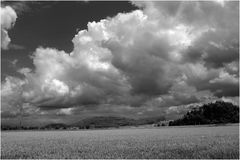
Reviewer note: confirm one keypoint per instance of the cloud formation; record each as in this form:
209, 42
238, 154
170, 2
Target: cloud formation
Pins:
8, 19
167, 54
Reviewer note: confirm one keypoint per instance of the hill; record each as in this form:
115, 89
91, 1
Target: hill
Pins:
211, 113
55, 126
110, 121
103, 122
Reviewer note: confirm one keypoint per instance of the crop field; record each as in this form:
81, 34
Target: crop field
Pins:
157, 143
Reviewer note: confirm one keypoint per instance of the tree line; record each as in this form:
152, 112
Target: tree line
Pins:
91, 123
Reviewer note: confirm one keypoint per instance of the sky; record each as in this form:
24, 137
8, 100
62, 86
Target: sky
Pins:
64, 61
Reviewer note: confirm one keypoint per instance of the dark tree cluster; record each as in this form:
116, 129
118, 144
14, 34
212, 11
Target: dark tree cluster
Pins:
211, 113
6, 127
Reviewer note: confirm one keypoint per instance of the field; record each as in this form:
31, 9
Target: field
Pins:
158, 143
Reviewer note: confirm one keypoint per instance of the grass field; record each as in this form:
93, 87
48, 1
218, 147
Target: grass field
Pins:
157, 143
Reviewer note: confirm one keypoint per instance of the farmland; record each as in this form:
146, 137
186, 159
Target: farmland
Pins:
166, 142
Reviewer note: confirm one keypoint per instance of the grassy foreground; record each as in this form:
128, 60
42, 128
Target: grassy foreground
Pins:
157, 143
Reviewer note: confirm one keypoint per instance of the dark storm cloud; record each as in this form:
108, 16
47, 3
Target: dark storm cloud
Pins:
139, 62
214, 49
218, 81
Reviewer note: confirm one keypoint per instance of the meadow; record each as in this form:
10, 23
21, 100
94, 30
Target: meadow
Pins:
157, 143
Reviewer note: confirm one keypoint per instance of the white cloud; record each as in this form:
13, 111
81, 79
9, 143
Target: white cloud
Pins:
8, 19
225, 77
55, 86
11, 95
233, 100
65, 111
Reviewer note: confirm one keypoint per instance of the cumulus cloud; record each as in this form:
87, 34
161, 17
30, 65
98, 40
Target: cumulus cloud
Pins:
11, 96
162, 55
8, 18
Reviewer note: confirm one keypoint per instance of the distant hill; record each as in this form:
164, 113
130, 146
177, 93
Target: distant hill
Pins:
110, 121
149, 120
104, 122
55, 126
211, 113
